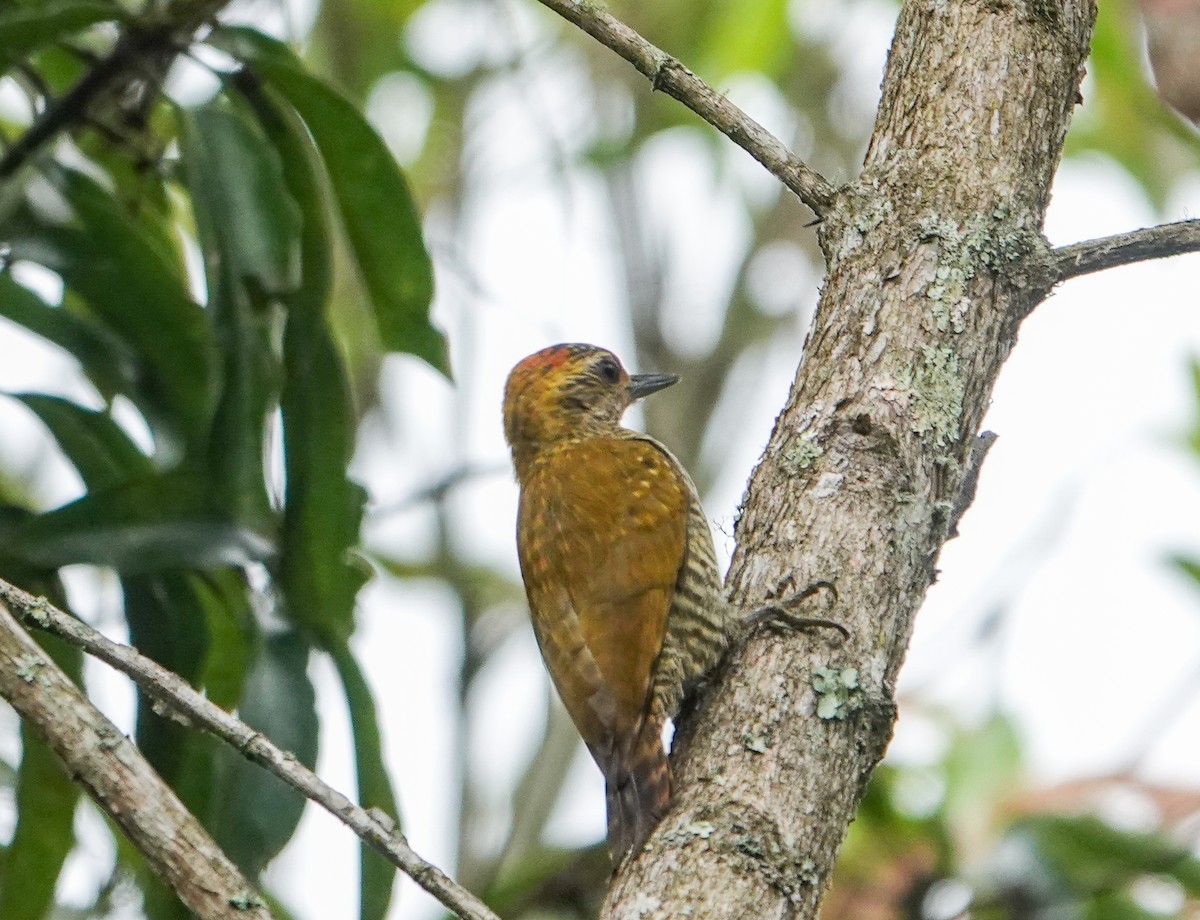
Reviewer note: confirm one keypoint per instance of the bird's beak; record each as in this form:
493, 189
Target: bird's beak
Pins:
644, 384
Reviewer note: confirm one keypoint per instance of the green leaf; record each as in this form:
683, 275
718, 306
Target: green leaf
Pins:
232, 632
306, 185
372, 195
23, 29
97, 446
107, 361
376, 874
258, 813
142, 525
246, 217
322, 507
129, 285
249, 230
59, 68
167, 623
145, 194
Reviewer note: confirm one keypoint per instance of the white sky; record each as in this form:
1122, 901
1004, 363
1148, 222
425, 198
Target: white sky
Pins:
1085, 493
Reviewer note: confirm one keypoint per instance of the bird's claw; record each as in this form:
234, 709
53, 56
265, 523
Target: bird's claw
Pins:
782, 616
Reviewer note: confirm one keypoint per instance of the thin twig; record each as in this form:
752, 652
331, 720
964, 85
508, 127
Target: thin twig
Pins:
73, 106
667, 74
1125, 248
171, 29
120, 781
172, 691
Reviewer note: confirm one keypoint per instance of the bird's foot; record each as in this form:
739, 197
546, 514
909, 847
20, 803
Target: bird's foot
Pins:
782, 616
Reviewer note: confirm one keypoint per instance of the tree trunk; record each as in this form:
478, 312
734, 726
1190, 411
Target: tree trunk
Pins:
934, 256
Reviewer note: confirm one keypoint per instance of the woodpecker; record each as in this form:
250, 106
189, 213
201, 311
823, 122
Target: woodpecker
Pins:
619, 568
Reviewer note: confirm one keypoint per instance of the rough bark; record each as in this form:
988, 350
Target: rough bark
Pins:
934, 255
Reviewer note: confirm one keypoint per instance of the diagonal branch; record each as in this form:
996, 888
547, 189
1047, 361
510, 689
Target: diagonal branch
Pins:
116, 776
173, 692
1126, 248
158, 36
667, 74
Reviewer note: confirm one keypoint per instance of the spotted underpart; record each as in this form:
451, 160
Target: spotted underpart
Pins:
619, 568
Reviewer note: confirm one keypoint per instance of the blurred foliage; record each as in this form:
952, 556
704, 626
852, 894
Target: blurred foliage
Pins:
965, 836
229, 273
183, 255
1122, 117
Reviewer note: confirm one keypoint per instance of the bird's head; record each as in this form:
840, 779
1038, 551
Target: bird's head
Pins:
569, 392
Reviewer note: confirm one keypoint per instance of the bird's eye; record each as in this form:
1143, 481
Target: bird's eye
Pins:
609, 370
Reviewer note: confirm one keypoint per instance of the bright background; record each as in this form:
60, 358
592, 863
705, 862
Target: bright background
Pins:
1056, 605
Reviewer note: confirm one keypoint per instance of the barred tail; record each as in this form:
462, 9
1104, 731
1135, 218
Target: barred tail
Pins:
638, 789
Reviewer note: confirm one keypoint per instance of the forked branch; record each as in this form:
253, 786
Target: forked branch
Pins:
120, 781
160, 35
669, 75
171, 691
